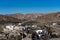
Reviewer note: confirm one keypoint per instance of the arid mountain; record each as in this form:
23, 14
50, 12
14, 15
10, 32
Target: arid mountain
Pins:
7, 19
43, 18
18, 16
26, 16
49, 17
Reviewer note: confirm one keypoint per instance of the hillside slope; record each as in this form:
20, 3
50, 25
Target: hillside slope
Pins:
26, 16
49, 17
4, 19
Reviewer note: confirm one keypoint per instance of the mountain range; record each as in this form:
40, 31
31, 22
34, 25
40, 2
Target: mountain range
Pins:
25, 17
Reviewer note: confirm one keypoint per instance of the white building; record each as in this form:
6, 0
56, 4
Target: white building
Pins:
54, 24
39, 32
34, 25
10, 27
19, 23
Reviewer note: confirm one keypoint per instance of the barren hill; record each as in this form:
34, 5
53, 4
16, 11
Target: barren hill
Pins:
49, 17
5, 19
43, 18
26, 16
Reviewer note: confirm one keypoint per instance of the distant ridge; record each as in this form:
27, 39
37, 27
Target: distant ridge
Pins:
49, 17
26, 16
18, 17
8, 19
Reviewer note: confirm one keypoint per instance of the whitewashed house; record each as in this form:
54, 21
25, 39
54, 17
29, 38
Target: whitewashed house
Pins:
54, 24
34, 25
40, 32
19, 27
13, 28
10, 27
22, 27
16, 28
19, 23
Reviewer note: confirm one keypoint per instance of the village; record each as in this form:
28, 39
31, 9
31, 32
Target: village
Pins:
19, 32
30, 31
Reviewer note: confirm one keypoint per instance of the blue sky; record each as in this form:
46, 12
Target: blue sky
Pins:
29, 6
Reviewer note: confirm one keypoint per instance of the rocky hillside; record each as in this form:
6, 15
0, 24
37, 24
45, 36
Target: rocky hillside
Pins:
26, 16
5, 19
38, 19
43, 18
49, 17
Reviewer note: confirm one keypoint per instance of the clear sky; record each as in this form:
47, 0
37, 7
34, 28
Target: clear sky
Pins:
29, 6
